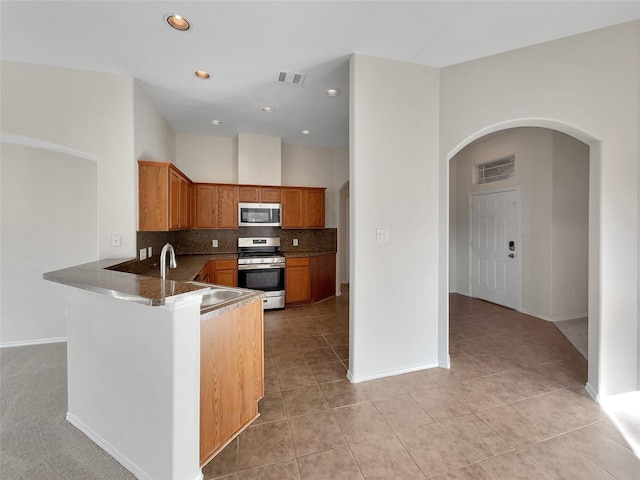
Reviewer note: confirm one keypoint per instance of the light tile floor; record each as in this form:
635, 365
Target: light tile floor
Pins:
512, 406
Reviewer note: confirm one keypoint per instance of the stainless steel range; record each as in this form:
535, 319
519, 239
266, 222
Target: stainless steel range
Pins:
261, 267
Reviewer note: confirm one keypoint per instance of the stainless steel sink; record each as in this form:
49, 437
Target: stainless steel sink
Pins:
219, 295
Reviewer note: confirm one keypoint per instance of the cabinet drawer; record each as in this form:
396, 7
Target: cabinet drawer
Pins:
225, 264
297, 262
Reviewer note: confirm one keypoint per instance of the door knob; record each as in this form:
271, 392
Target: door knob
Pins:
512, 255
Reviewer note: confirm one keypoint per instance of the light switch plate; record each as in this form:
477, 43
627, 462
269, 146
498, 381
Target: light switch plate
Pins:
143, 254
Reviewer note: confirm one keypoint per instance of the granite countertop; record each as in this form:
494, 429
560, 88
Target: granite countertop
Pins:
305, 254
188, 266
147, 288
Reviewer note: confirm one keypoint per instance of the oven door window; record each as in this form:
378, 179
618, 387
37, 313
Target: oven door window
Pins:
267, 280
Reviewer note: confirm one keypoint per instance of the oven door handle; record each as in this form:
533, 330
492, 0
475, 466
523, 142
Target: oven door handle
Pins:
260, 266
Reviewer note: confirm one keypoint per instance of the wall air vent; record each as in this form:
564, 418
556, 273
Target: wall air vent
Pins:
291, 78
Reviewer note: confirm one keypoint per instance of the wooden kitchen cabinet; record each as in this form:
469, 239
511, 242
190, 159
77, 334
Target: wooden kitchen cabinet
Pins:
258, 194
310, 279
302, 207
322, 272
206, 274
216, 206
225, 272
297, 288
231, 375
163, 197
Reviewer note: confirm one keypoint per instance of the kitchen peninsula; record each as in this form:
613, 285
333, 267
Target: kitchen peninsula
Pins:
160, 375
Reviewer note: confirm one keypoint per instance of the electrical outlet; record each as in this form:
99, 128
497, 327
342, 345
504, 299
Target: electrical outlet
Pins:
382, 234
214, 243
149, 252
295, 242
143, 254
115, 240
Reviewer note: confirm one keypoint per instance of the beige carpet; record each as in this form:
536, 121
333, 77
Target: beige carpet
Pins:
36, 441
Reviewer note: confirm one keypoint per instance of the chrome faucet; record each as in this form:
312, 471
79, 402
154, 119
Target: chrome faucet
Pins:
163, 260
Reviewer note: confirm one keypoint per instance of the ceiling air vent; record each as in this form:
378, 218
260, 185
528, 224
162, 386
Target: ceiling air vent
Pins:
291, 78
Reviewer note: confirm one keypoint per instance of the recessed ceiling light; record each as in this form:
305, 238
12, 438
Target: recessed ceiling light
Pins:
202, 74
178, 22
268, 109
216, 122
305, 132
332, 92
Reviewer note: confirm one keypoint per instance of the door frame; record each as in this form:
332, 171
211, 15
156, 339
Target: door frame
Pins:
516, 189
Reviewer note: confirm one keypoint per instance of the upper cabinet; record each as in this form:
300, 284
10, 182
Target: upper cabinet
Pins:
163, 197
168, 200
216, 205
258, 194
302, 207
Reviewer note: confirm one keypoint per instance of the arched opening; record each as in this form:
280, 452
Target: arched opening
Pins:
593, 227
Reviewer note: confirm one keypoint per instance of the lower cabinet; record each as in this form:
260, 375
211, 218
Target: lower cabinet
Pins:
297, 288
225, 272
231, 375
219, 272
310, 279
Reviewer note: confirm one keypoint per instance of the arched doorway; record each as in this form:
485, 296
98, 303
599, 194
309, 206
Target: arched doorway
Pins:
594, 228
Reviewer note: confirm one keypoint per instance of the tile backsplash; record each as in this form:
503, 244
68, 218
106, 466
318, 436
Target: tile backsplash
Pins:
200, 241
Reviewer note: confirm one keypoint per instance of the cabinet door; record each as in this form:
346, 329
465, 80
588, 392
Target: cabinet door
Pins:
206, 200
270, 194
174, 199
185, 195
296, 283
226, 273
227, 206
249, 193
153, 196
314, 208
231, 375
292, 208
323, 276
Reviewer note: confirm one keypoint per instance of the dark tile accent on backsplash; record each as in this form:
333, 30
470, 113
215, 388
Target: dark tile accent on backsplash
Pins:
309, 240
200, 241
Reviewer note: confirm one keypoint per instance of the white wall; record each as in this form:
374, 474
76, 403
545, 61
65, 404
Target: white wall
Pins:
63, 113
586, 86
259, 159
208, 159
552, 174
393, 185
570, 228
49, 221
154, 138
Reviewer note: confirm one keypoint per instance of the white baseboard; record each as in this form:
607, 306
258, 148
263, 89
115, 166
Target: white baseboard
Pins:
446, 364
25, 343
125, 461
592, 393
389, 373
537, 315
570, 317
553, 319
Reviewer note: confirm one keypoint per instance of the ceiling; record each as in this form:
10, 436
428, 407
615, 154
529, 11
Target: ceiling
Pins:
243, 44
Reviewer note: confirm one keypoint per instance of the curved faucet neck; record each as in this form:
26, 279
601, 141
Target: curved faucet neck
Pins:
163, 260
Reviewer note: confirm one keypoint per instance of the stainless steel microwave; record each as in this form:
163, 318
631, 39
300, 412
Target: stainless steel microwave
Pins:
259, 214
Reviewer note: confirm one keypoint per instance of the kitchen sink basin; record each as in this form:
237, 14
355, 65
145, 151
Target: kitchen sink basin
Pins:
219, 295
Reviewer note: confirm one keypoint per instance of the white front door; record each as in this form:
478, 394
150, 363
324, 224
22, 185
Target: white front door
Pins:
495, 267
